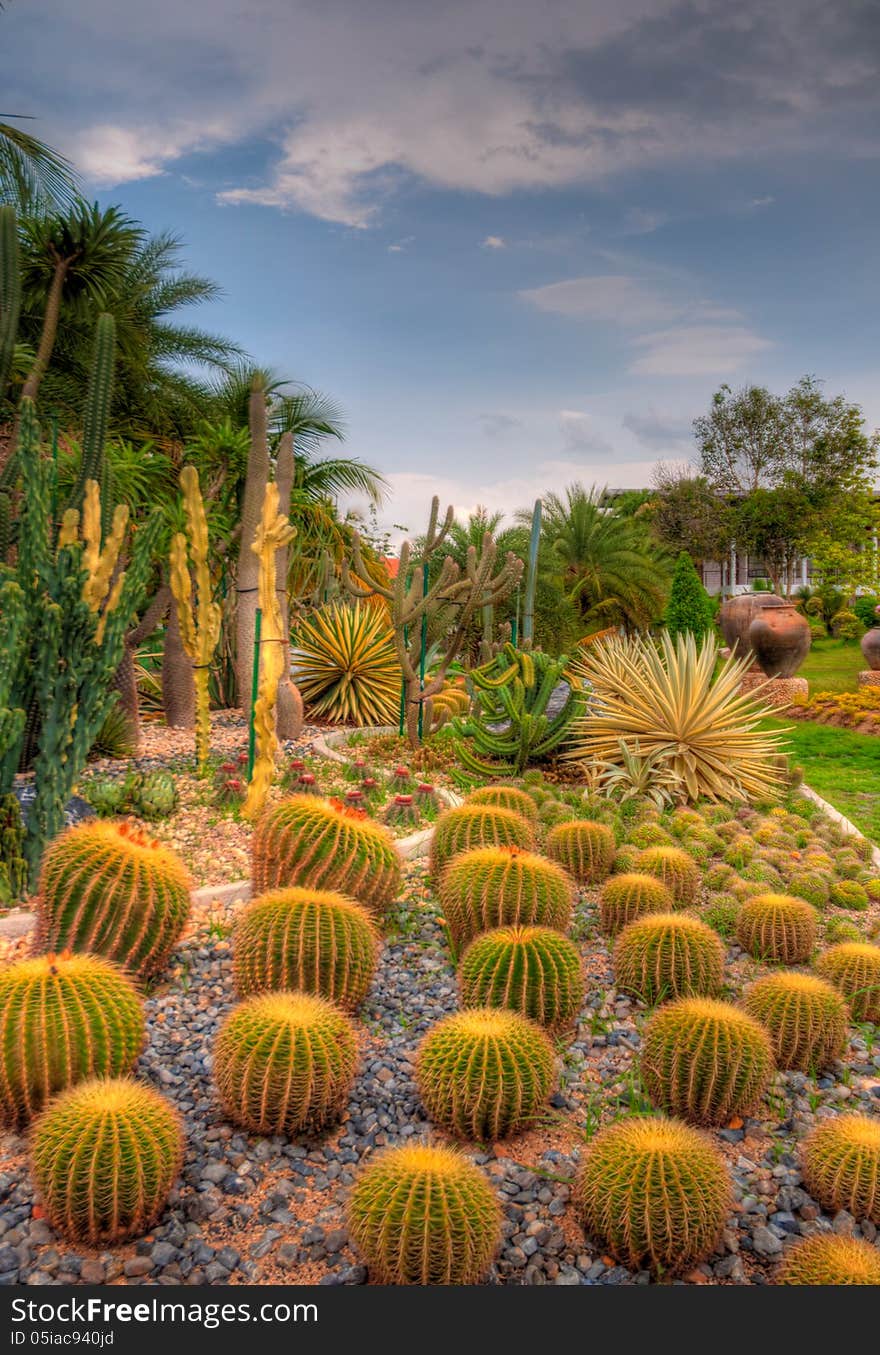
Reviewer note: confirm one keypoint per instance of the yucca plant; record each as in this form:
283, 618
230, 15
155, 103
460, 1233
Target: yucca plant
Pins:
841, 1159
346, 667
639, 776
533, 970
828, 1259
668, 699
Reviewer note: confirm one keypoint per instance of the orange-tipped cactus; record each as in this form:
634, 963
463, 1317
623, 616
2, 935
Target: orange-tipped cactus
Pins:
506, 797
777, 927
841, 1160
471, 826
668, 955
535, 971
829, 1259
111, 890
676, 868
805, 1018
626, 897
504, 887
854, 969
583, 848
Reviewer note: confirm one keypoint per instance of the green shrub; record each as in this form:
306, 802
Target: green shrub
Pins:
688, 605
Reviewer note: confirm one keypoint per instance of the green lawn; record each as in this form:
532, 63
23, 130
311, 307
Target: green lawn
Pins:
841, 766
833, 666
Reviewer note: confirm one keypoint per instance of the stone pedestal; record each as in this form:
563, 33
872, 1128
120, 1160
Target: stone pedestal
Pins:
869, 677
776, 692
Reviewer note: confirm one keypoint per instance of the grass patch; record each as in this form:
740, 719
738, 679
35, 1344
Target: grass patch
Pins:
833, 666
841, 766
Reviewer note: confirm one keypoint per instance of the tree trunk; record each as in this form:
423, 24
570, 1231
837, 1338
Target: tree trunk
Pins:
289, 704
248, 569
178, 687
49, 331
124, 680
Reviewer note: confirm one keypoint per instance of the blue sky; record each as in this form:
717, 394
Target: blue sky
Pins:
518, 244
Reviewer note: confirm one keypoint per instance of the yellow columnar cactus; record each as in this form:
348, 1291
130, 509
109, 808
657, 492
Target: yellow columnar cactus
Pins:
101, 589
199, 624
273, 534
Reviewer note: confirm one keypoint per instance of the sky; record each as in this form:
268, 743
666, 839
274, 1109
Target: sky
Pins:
520, 244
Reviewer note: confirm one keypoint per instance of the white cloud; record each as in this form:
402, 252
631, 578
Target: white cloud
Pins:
494, 242
579, 434
696, 350
400, 245
110, 155
623, 300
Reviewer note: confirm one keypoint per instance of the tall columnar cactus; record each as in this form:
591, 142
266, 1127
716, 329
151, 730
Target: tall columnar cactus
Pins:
777, 927
198, 616
285, 1062
535, 971
828, 1259
63, 1018
629, 896
424, 1215
13, 866
96, 419
841, 1162
413, 600
583, 848
654, 1192
667, 955
678, 871
323, 844
804, 1016
854, 969
509, 723
506, 797
704, 1061
309, 939
469, 826
111, 890
503, 887
104, 1157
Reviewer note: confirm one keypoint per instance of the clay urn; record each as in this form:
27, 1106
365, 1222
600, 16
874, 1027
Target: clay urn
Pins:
871, 648
738, 613
779, 637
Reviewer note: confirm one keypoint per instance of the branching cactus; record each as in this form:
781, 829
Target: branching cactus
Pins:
805, 1018
504, 887
535, 971
475, 825
198, 616
63, 1018
828, 1259
424, 1215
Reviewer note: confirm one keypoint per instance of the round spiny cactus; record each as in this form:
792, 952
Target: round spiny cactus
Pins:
506, 797
872, 889
104, 1157
849, 894
584, 848
667, 955
315, 940
654, 1192
719, 877
854, 969
324, 844
777, 927
626, 897
503, 887
650, 835
841, 1161
471, 826
721, 913
805, 1018
533, 970
109, 889
625, 859
485, 1073
684, 821
285, 1062
841, 929
811, 885
704, 1061
829, 1259
678, 871
424, 1215
63, 1018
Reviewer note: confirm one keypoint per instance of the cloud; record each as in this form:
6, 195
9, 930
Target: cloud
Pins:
497, 426
494, 242
696, 350
624, 300
757, 203
641, 221
400, 245
658, 430
110, 155
579, 434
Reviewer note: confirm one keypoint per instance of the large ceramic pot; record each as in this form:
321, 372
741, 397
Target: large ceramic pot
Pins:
871, 648
779, 637
738, 613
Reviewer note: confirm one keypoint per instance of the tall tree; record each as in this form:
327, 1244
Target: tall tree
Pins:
687, 513
742, 439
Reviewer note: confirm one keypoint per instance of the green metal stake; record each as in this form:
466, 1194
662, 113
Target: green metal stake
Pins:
424, 647
255, 681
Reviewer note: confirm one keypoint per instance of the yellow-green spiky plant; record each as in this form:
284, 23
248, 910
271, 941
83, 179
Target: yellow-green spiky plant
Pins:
829, 1259
777, 927
285, 1062
704, 1061
469, 826
675, 868
311, 939
583, 848
424, 1215
653, 1192
677, 705
506, 797
325, 844
346, 665
110, 889
668, 955
198, 616
104, 1157
485, 1073
841, 1162
63, 1018
503, 887
805, 1018
626, 897
854, 969
535, 971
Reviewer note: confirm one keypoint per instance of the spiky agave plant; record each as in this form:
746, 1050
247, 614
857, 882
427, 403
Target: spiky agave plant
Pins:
668, 699
346, 667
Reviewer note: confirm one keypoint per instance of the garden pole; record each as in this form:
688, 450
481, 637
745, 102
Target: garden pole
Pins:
424, 647
531, 578
255, 682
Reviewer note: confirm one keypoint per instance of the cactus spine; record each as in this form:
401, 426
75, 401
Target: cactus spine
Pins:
535, 971
475, 825
805, 1018
841, 1160
199, 621
667, 955
506, 797
583, 848
628, 896
503, 887
678, 871
777, 927
828, 1259
854, 969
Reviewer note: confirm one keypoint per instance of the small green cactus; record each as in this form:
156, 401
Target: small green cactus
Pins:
626, 897
285, 1062
849, 894
506, 797
811, 885
584, 848
424, 1215
722, 914
828, 1259
805, 1018
485, 1073
503, 887
104, 1156
841, 929
653, 1192
625, 859
156, 796
535, 971
311, 939
777, 927
678, 871
650, 835
841, 1164
470, 826
668, 955
704, 1061
854, 969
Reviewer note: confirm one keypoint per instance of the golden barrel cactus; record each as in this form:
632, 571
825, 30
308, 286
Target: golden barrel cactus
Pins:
535, 971
628, 896
675, 868
475, 825
668, 955
777, 927
854, 969
828, 1259
504, 887
841, 1162
584, 848
505, 797
805, 1018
